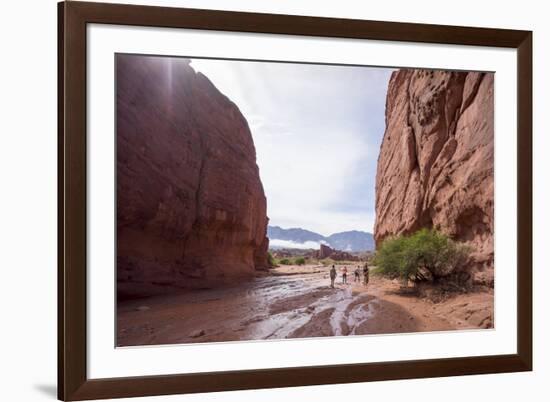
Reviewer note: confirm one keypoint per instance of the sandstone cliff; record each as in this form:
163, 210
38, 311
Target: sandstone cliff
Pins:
191, 209
435, 167
337, 255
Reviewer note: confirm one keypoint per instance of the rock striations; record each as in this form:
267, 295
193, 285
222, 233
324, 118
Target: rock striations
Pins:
435, 167
191, 209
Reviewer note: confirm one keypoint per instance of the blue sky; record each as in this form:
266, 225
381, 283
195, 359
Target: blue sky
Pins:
317, 131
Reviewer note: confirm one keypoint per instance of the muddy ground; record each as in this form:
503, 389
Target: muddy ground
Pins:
295, 302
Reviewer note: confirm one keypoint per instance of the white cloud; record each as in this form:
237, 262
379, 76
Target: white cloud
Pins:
278, 243
317, 131
322, 221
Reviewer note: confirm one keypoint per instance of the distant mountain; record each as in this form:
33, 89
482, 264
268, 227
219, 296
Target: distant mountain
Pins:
353, 240
294, 234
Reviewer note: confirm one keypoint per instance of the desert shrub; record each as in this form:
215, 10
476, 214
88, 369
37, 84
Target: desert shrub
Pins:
284, 261
381, 271
424, 255
300, 261
271, 260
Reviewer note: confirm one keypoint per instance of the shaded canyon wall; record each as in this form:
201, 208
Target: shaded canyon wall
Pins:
191, 209
435, 167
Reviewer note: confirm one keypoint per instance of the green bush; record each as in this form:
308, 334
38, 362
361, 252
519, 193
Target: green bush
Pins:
271, 260
300, 261
424, 255
284, 261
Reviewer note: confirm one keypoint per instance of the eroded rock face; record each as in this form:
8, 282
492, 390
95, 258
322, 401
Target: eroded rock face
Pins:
435, 167
337, 255
191, 209
324, 251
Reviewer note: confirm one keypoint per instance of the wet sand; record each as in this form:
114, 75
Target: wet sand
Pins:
294, 302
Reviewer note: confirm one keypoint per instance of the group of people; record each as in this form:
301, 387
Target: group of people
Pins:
356, 274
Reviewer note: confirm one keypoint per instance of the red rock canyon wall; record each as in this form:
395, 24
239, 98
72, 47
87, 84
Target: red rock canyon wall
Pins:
435, 167
191, 209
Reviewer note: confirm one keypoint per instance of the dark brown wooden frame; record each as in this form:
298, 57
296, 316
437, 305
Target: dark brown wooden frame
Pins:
73, 383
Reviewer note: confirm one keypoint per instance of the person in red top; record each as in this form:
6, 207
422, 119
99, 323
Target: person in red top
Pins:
345, 275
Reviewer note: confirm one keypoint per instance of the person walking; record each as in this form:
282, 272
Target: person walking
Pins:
356, 274
345, 275
332, 276
366, 273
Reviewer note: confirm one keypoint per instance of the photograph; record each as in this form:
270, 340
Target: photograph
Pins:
238, 201
266, 200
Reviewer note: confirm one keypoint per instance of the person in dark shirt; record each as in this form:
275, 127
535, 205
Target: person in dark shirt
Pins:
332, 276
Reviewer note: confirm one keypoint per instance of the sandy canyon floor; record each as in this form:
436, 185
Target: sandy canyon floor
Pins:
295, 302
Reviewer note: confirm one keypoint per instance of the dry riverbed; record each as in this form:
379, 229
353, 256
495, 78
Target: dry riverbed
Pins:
295, 302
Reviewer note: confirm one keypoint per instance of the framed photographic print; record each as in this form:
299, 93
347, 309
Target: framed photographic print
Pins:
252, 200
